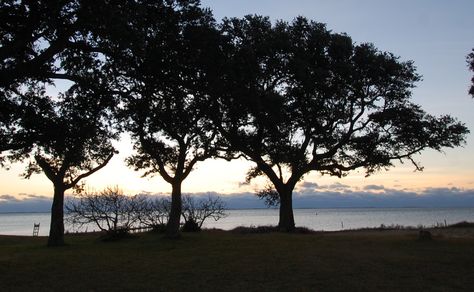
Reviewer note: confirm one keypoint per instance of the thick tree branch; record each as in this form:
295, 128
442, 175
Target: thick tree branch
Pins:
86, 174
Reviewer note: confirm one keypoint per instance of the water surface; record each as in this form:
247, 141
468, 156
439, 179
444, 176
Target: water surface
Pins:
316, 219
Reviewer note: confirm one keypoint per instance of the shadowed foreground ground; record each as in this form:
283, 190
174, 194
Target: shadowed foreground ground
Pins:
224, 261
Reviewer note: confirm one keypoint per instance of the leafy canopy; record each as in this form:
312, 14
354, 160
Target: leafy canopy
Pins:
162, 79
72, 134
296, 98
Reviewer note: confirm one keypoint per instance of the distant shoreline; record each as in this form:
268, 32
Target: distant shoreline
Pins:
276, 209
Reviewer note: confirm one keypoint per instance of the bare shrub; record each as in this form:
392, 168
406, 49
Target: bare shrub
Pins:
152, 211
110, 210
196, 211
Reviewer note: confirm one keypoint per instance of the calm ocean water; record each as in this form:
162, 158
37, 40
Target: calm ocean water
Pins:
316, 219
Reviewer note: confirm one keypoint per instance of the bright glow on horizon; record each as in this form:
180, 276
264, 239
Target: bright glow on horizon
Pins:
228, 177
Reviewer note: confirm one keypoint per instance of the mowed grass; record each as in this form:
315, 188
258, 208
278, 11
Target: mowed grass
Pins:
225, 261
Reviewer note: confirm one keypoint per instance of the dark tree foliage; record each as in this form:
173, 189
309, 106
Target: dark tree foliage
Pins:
297, 98
162, 78
39, 42
29, 41
470, 62
270, 197
34, 34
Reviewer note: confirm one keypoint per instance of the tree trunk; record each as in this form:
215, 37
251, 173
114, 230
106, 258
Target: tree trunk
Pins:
56, 230
172, 228
287, 220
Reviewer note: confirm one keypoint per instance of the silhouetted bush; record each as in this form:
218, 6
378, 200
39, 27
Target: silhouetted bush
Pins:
463, 224
197, 210
424, 235
255, 229
268, 229
110, 210
159, 228
303, 230
152, 211
118, 234
190, 226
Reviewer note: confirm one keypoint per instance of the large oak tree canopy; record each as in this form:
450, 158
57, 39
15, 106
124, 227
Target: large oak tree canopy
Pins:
296, 98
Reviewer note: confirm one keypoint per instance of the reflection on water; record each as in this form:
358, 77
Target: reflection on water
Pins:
316, 219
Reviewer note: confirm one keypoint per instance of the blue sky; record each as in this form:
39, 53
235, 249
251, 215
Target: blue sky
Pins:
436, 35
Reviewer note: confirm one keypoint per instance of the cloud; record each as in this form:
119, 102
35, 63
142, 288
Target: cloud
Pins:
388, 198
441, 191
309, 185
244, 200
345, 198
336, 187
374, 188
338, 197
25, 203
33, 196
8, 198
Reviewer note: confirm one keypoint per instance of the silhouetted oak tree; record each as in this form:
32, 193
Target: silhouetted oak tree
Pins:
163, 77
297, 98
72, 142
44, 41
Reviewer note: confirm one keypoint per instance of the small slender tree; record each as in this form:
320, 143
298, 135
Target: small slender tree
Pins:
297, 98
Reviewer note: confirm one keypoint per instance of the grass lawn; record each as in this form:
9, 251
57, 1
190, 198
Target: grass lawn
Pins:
225, 261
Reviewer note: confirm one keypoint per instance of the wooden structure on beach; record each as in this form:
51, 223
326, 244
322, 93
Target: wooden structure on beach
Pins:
36, 228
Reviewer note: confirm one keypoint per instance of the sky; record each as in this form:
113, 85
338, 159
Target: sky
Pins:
437, 35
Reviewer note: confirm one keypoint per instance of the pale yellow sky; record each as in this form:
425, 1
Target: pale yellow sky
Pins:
441, 170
